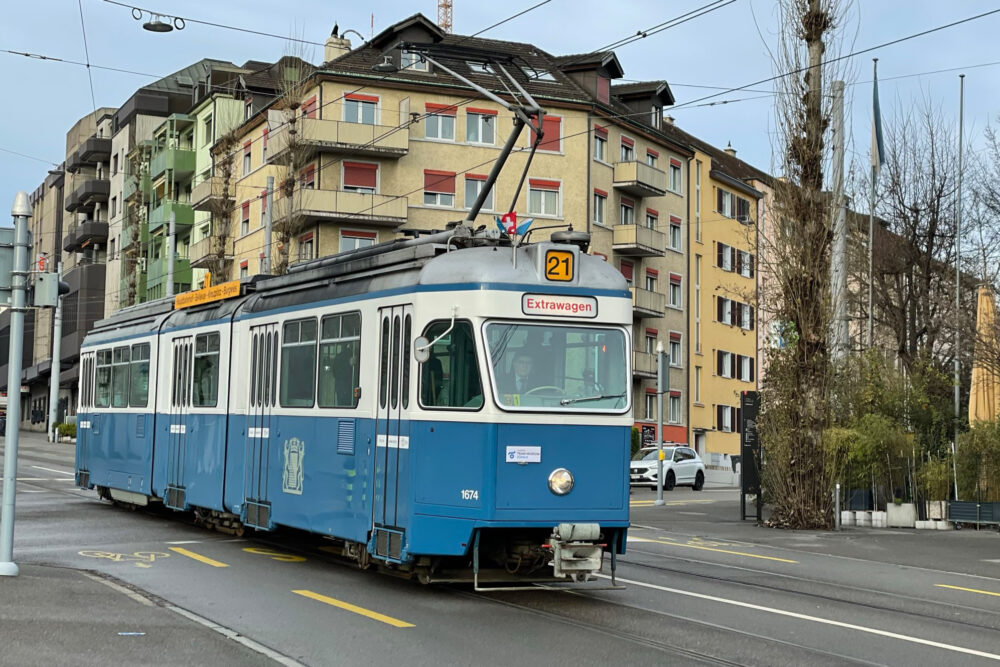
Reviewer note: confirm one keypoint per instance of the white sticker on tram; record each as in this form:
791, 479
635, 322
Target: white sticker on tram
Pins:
395, 441
523, 454
178, 428
83, 424
259, 432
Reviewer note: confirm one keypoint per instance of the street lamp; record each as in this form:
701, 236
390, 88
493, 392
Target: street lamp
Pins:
156, 22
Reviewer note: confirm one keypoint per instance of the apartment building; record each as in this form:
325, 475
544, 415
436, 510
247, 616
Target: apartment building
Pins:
356, 157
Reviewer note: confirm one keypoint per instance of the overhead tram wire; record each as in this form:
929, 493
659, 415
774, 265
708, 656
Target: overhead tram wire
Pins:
676, 21
86, 51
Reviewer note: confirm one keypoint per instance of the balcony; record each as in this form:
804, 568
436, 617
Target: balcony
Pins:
87, 194
317, 206
90, 152
636, 241
647, 304
639, 179
136, 184
179, 160
643, 365
208, 193
339, 137
183, 215
157, 269
203, 252
90, 232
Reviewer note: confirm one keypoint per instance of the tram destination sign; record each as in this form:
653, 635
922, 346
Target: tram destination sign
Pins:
549, 305
207, 295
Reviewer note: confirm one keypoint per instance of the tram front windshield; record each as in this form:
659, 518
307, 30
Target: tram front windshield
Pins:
553, 367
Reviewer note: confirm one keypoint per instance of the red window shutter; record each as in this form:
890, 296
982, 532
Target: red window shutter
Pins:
246, 210
675, 162
650, 391
475, 177
309, 107
652, 332
361, 98
626, 268
675, 336
601, 131
246, 147
603, 89
360, 174
355, 234
543, 184
650, 151
264, 136
627, 202
675, 220
306, 237
598, 191
441, 109
675, 393
653, 212
628, 142
551, 131
439, 181
263, 201
244, 263
486, 112
675, 278
653, 272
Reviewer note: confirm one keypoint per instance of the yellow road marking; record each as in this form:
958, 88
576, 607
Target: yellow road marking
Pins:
198, 557
347, 606
275, 555
968, 590
721, 551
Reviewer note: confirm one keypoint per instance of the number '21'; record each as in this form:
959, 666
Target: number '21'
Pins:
559, 266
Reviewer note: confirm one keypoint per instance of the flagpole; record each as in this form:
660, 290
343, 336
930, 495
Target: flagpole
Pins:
958, 273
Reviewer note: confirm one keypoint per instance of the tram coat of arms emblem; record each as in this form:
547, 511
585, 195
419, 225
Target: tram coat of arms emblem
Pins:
291, 478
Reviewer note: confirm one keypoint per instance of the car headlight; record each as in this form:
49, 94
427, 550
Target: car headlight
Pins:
560, 481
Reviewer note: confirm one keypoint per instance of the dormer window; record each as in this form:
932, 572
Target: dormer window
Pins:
656, 117
535, 74
412, 61
479, 68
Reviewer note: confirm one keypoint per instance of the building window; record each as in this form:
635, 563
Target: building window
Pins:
724, 364
307, 178
652, 157
412, 61
600, 204
439, 188
652, 218
601, 145
697, 303
263, 145
206, 131
725, 203
551, 134
473, 186
480, 126
626, 212
743, 210
111, 249
650, 407
675, 297
746, 368
352, 240
360, 177
627, 270
697, 384
724, 256
675, 176
244, 269
674, 403
114, 206
114, 164
543, 197
245, 219
725, 418
656, 117
697, 200
724, 310
675, 234
676, 356
440, 122
744, 264
650, 341
360, 108
246, 158
628, 150
248, 108
309, 107
651, 277
263, 208
746, 316
306, 247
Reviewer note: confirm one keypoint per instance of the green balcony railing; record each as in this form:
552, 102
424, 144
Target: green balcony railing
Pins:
179, 160
160, 216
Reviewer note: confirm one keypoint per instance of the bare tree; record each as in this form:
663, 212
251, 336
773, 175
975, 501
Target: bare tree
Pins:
220, 261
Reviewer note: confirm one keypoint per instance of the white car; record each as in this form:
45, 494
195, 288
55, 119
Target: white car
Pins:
681, 465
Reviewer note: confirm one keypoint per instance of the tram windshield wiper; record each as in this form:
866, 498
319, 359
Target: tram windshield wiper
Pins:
582, 399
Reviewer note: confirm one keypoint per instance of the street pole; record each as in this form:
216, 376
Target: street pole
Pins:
56, 370
958, 271
268, 218
18, 283
871, 227
171, 250
838, 264
661, 385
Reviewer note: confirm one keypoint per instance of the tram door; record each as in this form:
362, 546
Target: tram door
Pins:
392, 428
85, 413
182, 354
260, 406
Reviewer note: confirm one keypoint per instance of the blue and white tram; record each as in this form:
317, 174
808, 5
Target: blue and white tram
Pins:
369, 397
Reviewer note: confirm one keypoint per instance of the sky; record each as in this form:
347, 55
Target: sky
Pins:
728, 47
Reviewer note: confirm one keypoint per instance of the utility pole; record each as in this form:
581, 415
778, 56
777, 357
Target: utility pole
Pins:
19, 277
661, 386
840, 332
171, 251
268, 221
56, 370
958, 273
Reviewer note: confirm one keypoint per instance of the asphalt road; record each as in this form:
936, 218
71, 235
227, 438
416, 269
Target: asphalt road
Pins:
701, 587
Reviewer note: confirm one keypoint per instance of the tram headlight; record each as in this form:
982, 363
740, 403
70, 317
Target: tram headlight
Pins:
560, 481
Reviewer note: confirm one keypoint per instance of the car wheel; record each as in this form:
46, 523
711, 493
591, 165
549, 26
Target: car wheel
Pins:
699, 481
668, 484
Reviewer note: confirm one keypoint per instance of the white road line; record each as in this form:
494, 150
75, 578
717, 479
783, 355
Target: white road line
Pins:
60, 472
814, 619
141, 599
185, 542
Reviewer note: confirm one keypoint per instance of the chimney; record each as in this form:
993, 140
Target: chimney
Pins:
668, 119
335, 47
730, 150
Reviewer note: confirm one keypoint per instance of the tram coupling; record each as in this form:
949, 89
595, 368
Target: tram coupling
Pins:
576, 551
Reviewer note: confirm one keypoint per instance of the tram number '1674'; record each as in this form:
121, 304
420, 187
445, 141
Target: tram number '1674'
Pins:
559, 265
470, 494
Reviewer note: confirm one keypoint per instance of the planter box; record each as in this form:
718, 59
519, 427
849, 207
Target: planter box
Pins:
846, 518
863, 519
901, 516
943, 525
879, 520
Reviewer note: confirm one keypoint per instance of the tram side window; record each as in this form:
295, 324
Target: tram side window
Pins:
119, 378
103, 379
450, 376
340, 361
298, 363
138, 395
206, 370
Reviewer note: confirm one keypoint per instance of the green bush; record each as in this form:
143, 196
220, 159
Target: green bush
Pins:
978, 463
935, 479
66, 430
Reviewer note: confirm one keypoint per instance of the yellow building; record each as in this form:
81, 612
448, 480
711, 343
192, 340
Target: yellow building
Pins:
357, 156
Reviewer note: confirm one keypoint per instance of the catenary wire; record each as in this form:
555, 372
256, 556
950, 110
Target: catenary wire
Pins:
86, 51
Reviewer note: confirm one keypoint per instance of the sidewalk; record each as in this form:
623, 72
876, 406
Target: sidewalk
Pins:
57, 616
